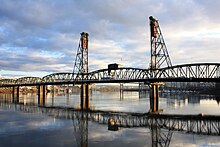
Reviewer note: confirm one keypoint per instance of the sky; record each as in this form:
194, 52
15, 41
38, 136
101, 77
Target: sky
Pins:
40, 37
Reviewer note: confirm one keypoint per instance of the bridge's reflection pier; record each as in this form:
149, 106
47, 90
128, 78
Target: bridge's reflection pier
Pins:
80, 125
160, 137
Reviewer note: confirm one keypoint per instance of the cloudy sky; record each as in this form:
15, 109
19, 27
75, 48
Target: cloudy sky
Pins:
39, 37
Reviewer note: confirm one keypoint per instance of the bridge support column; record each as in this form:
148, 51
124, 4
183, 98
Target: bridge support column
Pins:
15, 94
85, 94
53, 94
18, 94
42, 94
142, 90
154, 97
121, 91
67, 89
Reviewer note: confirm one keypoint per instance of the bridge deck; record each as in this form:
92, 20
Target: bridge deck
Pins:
201, 72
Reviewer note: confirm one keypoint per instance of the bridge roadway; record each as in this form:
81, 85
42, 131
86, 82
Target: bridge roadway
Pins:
202, 72
196, 124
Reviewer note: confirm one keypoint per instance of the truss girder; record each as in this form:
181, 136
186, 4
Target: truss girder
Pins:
119, 74
179, 72
7, 81
28, 80
203, 70
196, 124
58, 77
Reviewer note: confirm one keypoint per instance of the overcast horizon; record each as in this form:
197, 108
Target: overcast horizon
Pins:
40, 37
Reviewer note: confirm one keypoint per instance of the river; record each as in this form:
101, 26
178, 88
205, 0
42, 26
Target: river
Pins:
19, 128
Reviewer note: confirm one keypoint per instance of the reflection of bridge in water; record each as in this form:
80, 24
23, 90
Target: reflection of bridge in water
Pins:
196, 124
161, 126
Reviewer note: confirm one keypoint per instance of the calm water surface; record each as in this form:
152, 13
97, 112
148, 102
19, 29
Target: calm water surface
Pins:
36, 129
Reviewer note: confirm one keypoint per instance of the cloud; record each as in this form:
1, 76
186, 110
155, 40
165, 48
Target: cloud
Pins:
43, 36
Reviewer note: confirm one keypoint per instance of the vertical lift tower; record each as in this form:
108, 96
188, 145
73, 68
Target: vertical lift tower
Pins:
159, 58
80, 69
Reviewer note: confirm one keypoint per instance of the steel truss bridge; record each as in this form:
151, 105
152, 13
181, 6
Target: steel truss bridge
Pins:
196, 124
160, 69
154, 75
202, 72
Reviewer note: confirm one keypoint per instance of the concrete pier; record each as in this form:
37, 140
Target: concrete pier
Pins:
15, 94
85, 97
154, 97
42, 92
